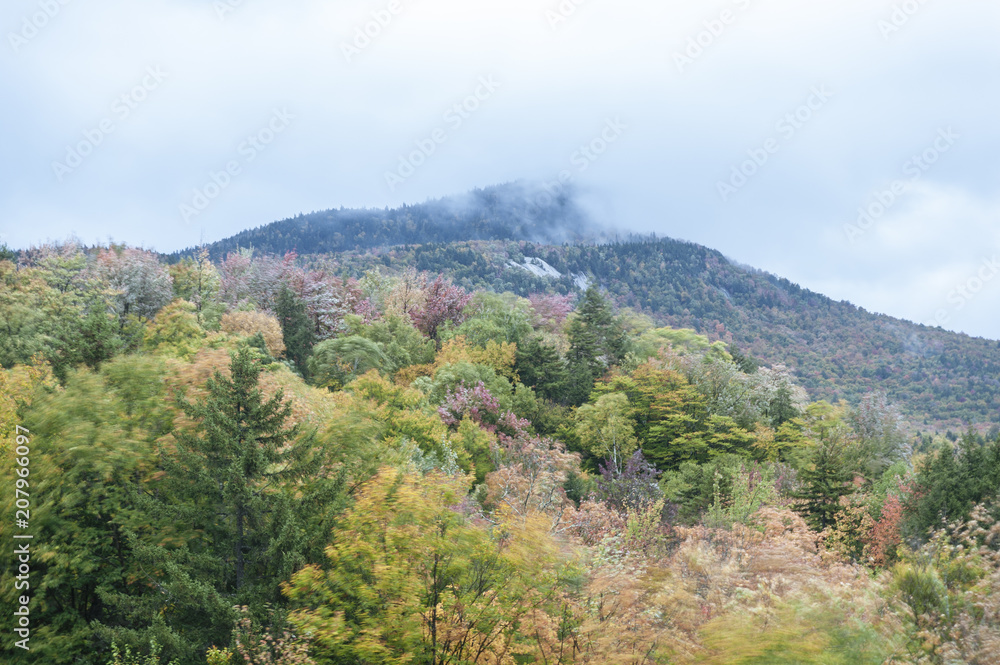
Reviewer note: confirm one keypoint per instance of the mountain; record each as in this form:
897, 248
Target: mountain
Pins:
513, 211
513, 238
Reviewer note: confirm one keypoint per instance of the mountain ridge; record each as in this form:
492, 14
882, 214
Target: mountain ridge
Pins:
836, 349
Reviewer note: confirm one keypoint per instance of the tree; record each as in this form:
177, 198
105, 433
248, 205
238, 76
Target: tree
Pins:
823, 482
296, 329
597, 339
335, 362
34, 317
250, 323
409, 579
500, 317
880, 441
633, 485
229, 471
94, 339
540, 367
606, 430
134, 280
92, 444
952, 480
198, 282
549, 311
443, 302
401, 342
175, 330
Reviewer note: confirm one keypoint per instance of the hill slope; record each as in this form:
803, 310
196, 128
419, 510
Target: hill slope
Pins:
837, 350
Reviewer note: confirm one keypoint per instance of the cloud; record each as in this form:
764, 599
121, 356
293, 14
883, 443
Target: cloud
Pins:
561, 81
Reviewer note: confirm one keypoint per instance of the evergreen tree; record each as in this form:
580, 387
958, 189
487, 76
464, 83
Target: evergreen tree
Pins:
746, 362
296, 329
781, 409
823, 483
540, 366
952, 480
597, 339
229, 472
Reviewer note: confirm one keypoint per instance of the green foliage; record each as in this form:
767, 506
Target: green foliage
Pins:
91, 441
94, 339
128, 658
681, 340
410, 580
751, 487
336, 362
449, 376
197, 281
823, 481
540, 367
32, 317
175, 331
952, 480
795, 634
597, 339
606, 430
228, 473
726, 490
402, 344
500, 317
296, 329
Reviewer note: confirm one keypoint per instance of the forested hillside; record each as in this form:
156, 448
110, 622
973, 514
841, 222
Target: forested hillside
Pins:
515, 211
261, 460
836, 350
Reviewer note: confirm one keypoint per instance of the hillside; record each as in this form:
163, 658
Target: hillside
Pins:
513, 211
837, 350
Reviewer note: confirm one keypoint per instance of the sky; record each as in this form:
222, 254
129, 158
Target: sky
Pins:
851, 146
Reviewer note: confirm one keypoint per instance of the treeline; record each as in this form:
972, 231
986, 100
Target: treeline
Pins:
262, 460
513, 211
836, 350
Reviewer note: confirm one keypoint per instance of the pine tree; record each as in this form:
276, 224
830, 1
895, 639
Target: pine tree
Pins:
296, 329
823, 483
540, 367
597, 339
229, 471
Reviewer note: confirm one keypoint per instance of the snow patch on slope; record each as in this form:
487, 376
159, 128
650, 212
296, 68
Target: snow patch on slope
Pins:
537, 267
540, 268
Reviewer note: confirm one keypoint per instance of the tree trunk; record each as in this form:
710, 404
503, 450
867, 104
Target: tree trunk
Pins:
239, 547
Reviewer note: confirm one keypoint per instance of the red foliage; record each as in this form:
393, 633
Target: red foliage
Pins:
444, 302
549, 311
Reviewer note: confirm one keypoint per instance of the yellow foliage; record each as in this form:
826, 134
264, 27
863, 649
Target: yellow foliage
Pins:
408, 375
175, 330
17, 389
501, 357
251, 323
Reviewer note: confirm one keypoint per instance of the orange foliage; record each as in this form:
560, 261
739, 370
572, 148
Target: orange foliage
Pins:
251, 323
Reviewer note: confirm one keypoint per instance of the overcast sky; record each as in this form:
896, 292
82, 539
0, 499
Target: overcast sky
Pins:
756, 127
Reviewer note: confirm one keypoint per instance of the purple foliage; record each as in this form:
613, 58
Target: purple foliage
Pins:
476, 402
633, 486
